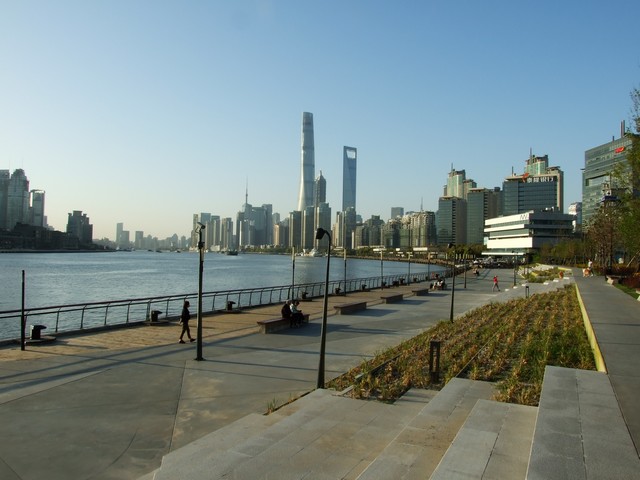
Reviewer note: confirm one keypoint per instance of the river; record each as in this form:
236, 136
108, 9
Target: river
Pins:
69, 278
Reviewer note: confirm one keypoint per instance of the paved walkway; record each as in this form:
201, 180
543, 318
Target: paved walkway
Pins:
615, 318
109, 405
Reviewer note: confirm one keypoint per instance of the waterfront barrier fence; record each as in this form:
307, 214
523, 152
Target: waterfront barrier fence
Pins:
78, 317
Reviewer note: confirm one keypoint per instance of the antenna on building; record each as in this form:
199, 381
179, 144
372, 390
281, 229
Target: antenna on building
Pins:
421, 209
622, 129
246, 192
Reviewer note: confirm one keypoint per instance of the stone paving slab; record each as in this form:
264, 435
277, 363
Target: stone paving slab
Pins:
494, 443
580, 432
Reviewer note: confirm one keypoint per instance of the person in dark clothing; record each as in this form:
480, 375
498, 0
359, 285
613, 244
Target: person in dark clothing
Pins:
184, 320
286, 311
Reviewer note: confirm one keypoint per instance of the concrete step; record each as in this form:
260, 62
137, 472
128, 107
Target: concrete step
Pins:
580, 432
416, 451
318, 436
494, 443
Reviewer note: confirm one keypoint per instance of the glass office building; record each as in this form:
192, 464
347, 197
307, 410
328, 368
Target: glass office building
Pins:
599, 164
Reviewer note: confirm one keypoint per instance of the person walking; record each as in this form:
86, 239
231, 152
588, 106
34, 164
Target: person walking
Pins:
495, 284
184, 320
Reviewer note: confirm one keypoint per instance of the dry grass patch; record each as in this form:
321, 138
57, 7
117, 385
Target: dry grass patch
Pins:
507, 343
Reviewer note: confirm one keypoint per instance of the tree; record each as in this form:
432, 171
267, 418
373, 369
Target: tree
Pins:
630, 200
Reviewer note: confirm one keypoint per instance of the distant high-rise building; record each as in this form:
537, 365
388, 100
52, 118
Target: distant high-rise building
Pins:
78, 224
455, 182
119, 230
295, 229
5, 177
397, 212
226, 234
482, 204
534, 191
138, 241
319, 190
17, 200
597, 177
349, 164
37, 208
308, 163
452, 221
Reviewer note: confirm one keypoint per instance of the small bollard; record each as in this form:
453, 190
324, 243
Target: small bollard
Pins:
35, 331
526, 291
434, 361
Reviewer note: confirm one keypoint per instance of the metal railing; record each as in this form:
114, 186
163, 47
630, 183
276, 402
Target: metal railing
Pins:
98, 315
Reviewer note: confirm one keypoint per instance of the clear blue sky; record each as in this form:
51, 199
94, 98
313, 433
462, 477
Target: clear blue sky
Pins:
146, 112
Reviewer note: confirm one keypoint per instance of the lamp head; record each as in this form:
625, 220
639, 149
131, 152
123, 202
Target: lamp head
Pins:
320, 233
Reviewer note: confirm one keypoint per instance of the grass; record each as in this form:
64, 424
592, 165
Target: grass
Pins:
507, 343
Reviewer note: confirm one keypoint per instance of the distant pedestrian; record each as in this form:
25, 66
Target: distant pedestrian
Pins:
495, 284
184, 320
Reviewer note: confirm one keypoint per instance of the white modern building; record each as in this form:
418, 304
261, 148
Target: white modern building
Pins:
527, 232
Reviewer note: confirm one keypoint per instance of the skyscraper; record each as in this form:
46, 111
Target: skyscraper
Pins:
598, 178
534, 191
308, 163
349, 164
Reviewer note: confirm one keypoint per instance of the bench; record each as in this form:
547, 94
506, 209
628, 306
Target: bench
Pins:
420, 292
391, 297
350, 307
274, 324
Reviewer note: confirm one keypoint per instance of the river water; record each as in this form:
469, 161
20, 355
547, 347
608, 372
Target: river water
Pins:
69, 278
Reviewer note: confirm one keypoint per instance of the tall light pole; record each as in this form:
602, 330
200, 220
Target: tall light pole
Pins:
320, 233
453, 279
200, 228
293, 271
409, 270
344, 248
514, 268
381, 270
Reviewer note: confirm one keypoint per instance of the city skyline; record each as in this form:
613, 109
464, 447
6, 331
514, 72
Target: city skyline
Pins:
146, 128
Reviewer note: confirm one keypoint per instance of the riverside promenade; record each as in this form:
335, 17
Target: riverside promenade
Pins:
110, 405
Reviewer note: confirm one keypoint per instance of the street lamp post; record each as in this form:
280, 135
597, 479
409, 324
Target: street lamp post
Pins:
514, 268
465, 270
200, 228
409, 272
453, 280
320, 233
293, 272
381, 271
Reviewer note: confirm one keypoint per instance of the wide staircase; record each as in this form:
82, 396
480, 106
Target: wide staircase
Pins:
576, 432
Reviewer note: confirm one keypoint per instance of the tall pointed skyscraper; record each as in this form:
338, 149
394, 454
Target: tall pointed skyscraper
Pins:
349, 166
308, 163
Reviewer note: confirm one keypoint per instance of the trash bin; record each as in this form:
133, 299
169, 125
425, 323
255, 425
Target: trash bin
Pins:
230, 305
35, 331
154, 315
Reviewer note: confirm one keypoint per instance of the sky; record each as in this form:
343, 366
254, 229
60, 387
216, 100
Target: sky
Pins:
147, 112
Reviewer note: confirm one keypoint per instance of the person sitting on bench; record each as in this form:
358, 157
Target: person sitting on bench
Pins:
296, 315
286, 312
